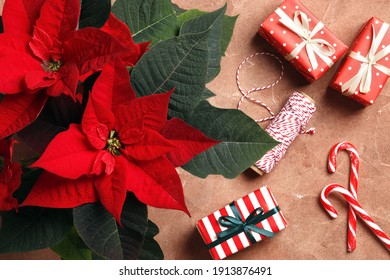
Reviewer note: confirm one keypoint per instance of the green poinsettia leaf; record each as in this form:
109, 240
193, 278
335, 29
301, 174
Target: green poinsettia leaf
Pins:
151, 250
39, 133
243, 141
178, 11
207, 93
99, 230
186, 15
97, 257
94, 13
29, 177
180, 63
228, 23
227, 32
56, 116
63, 111
148, 20
72, 247
33, 228
211, 22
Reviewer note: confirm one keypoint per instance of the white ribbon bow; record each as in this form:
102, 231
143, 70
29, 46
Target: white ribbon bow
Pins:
364, 76
313, 46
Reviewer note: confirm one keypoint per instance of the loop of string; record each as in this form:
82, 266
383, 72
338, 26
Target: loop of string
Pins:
246, 94
285, 126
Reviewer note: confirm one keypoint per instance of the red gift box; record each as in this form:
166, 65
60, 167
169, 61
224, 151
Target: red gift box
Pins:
243, 222
365, 71
302, 39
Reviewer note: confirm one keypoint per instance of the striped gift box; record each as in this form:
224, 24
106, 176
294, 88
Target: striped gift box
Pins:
242, 210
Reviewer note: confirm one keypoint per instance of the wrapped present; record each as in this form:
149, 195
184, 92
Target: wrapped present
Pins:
365, 71
302, 39
243, 222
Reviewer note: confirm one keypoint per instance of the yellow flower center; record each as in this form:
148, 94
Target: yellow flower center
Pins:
113, 143
54, 66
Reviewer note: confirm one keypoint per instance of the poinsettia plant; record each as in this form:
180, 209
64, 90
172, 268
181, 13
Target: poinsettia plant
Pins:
111, 102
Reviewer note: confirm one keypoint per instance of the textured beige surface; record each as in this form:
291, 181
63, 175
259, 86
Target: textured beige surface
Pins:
298, 179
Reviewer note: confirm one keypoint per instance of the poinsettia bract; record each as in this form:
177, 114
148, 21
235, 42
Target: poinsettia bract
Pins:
43, 54
10, 175
120, 147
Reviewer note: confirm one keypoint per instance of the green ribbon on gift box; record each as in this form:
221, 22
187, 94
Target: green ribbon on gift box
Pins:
236, 225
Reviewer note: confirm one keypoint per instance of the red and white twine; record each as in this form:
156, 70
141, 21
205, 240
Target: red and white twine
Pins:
353, 184
285, 127
355, 209
245, 94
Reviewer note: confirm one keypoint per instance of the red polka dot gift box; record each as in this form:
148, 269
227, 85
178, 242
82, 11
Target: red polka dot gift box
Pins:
240, 224
365, 71
302, 39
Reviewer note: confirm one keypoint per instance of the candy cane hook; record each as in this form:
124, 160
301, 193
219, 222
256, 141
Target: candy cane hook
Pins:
356, 207
353, 184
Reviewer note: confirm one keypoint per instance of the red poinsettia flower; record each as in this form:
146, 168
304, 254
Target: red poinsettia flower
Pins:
118, 147
42, 54
10, 176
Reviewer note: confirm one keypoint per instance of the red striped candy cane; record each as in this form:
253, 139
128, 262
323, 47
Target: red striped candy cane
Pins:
353, 184
352, 201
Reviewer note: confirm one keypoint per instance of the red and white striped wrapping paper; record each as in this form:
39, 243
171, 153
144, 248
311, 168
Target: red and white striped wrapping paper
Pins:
208, 226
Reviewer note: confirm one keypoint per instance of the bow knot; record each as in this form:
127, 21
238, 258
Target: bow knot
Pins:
235, 225
364, 75
300, 26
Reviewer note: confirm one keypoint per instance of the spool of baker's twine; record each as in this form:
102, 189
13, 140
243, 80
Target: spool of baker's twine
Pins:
284, 127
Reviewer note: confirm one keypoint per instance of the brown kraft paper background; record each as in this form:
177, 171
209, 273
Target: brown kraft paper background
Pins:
298, 179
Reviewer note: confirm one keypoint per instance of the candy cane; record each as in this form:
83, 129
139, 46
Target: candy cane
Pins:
353, 184
352, 201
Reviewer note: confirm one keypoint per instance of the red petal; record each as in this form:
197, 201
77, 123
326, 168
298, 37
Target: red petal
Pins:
152, 146
16, 179
98, 119
156, 183
69, 154
112, 188
68, 78
15, 61
132, 133
120, 32
19, 16
41, 44
7, 202
189, 140
153, 109
39, 80
143, 47
58, 192
59, 18
6, 149
10, 176
11, 43
122, 91
91, 49
103, 162
19, 110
